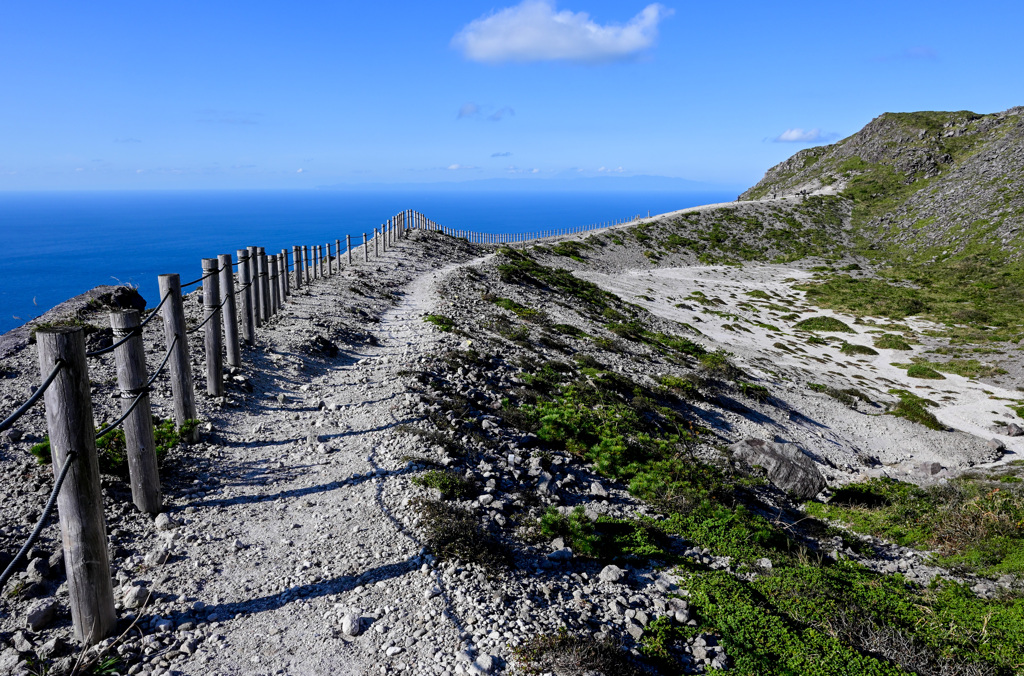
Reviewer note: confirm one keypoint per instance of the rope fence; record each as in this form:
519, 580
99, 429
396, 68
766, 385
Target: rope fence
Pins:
235, 304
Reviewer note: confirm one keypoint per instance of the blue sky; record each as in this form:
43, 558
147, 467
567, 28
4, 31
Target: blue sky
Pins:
144, 95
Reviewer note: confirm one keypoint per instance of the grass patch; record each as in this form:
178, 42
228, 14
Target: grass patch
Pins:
450, 484
854, 349
922, 371
442, 322
914, 408
823, 324
518, 310
111, 450
890, 341
572, 655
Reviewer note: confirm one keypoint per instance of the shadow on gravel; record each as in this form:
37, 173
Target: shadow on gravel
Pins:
302, 492
338, 585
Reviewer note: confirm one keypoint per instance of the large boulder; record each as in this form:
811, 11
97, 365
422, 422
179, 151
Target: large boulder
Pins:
787, 466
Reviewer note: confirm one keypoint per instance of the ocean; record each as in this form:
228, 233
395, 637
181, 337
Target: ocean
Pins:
58, 245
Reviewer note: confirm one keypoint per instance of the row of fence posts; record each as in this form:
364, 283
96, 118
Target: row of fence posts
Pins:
230, 318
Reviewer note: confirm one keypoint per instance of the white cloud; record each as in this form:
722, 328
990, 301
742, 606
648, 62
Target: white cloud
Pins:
534, 31
797, 135
606, 170
298, 171
457, 167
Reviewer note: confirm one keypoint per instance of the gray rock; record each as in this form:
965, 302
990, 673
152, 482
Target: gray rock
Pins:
37, 570
635, 630
164, 522
764, 563
928, 469
787, 466
1013, 430
21, 642
55, 647
597, 489
41, 615
563, 554
9, 660
351, 624
135, 596
612, 573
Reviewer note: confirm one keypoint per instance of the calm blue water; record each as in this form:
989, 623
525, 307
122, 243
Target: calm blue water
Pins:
57, 245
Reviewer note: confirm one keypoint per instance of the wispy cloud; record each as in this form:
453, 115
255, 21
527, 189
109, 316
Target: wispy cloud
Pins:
460, 167
468, 110
127, 140
504, 154
500, 113
534, 31
478, 111
798, 135
607, 170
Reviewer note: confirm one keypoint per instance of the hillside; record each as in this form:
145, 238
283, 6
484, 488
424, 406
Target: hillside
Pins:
928, 186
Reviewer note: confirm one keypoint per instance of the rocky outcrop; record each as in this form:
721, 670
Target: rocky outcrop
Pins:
786, 465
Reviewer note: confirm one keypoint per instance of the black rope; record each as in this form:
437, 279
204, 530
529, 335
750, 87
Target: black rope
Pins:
135, 402
160, 368
42, 520
211, 273
209, 317
155, 310
243, 288
13, 418
135, 331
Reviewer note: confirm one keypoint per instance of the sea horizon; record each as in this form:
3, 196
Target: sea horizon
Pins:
63, 243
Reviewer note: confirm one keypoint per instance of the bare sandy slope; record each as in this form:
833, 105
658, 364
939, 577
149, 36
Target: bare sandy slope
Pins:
849, 439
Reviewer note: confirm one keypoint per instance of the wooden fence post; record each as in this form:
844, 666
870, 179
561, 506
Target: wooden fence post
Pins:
211, 331
177, 342
227, 293
286, 277
376, 244
254, 291
366, 250
245, 300
305, 264
80, 502
337, 255
297, 269
261, 258
130, 360
275, 300
330, 260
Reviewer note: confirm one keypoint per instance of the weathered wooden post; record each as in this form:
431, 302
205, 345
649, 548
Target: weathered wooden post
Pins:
130, 360
274, 290
264, 283
177, 343
211, 330
285, 278
254, 290
230, 317
297, 262
366, 250
305, 265
376, 244
384, 237
245, 300
330, 260
80, 502
348, 248
337, 255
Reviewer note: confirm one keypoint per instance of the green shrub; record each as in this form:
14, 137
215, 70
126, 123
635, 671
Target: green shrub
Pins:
755, 392
452, 533
683, 387
576, 529
519, 310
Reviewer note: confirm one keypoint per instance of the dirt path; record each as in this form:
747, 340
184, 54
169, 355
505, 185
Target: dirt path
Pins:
297, 525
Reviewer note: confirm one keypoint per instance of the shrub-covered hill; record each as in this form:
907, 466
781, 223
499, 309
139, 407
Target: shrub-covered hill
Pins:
925, 186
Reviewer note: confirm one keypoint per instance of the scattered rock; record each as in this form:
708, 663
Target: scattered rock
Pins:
41, 615
612, 573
